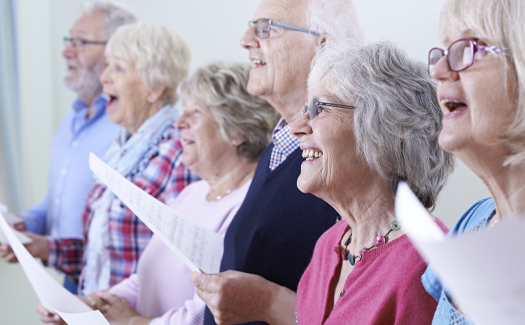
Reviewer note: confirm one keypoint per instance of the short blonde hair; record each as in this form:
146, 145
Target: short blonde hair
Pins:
161, 55
500, 22
222, 89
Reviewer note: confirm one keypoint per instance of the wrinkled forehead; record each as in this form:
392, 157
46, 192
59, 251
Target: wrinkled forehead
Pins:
284, 11
91, 25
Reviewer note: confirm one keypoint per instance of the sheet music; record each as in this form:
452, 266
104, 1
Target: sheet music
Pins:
199, 247
482, 271
51, 294
89, 318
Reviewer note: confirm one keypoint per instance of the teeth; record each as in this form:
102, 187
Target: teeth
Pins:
256, 62
452, 105
311, 155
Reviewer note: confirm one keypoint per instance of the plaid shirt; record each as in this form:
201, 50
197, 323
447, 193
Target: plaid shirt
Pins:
284, 143
163, 177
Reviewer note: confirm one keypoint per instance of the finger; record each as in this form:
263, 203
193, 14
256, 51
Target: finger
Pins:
107, 297
21, 226
11, 258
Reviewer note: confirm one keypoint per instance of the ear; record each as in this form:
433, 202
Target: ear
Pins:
237, 142
155, 94
325, 40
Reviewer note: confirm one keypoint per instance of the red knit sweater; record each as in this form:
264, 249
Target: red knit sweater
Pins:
383, 288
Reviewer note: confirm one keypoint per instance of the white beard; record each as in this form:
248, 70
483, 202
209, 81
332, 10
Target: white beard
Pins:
87, 83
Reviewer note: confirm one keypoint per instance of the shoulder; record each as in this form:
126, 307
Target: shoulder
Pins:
331, 237
475, 217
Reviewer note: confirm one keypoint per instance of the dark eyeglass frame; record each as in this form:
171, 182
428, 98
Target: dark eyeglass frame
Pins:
80, 43
275, 23
475, 48
316, 103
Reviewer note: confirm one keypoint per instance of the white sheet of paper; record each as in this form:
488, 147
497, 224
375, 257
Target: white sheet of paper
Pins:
12, 219
89, 318
197, 246
51, 294
483, 271
3, 208
21, 237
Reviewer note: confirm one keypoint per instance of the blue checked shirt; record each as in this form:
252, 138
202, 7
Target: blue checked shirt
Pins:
284, 144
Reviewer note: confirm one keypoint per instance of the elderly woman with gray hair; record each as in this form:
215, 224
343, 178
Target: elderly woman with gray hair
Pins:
224, 130
144, 65
372, 120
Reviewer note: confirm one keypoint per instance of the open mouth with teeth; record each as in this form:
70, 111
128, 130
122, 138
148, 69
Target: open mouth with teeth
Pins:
453, 106
311, 154
185, 142
258, 63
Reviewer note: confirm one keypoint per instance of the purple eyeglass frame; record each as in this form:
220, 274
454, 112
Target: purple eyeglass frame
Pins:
476, 47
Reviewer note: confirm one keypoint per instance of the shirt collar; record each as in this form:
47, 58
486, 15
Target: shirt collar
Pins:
99, 105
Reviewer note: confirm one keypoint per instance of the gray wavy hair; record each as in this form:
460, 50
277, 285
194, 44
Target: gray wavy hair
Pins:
221, 89
117, 14
397, 118
160, 54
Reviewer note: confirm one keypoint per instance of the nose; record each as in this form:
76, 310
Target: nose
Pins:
69, 52
181, 123
442, 72
301, 126
248, 39
105, 77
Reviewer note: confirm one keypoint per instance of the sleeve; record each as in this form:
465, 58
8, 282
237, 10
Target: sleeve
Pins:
35, 219
191, 313
66, 255
415, 306
128, 288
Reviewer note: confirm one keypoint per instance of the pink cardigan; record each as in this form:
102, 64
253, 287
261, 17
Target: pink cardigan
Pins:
384, 287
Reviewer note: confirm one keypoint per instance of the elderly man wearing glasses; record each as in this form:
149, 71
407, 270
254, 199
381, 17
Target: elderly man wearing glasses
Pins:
85, 129
272, 237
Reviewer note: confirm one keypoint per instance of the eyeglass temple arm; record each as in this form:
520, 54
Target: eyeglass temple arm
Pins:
336, 105
274, 23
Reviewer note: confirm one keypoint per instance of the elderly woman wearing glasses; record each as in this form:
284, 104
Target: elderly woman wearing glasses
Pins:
372, 121
481, 91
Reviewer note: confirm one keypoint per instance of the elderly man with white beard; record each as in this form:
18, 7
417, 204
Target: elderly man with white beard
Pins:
272, 237
85, 129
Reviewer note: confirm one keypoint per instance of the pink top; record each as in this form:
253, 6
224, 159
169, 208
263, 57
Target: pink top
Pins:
383, 288
161, 287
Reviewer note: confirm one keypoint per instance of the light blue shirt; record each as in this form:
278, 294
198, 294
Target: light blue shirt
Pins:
70, 179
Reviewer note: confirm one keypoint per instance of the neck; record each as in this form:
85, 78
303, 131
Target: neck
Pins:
368, 212
231, 178
148, 112
290, 107
505, 183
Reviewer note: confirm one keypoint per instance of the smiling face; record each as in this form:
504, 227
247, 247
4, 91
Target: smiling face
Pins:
85, 65
477, 103
281, 62
128, 104
203, 146
329, 147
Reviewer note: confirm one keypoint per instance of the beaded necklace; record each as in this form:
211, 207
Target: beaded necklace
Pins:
378, 242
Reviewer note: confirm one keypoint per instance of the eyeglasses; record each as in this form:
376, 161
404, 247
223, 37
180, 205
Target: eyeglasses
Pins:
460, 54
315, 107
262, 27
79, 44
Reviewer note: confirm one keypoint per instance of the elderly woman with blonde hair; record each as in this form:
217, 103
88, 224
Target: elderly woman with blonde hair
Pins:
481, 90
144, 65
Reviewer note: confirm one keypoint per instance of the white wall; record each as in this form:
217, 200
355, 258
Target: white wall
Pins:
213, 29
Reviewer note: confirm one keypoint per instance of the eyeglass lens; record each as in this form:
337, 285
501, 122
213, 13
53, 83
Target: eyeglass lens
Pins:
460, 55
313, 109
262, 28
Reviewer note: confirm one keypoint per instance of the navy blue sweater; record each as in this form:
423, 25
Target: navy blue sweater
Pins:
275, 230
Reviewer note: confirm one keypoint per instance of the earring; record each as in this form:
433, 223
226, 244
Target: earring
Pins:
151, 99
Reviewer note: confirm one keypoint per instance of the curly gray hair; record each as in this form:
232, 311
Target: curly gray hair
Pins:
117, 14
397, 120
221, 89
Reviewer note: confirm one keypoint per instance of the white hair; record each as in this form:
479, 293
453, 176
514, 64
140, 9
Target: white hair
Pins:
117, 14
338, 18
397, 118
161, 55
